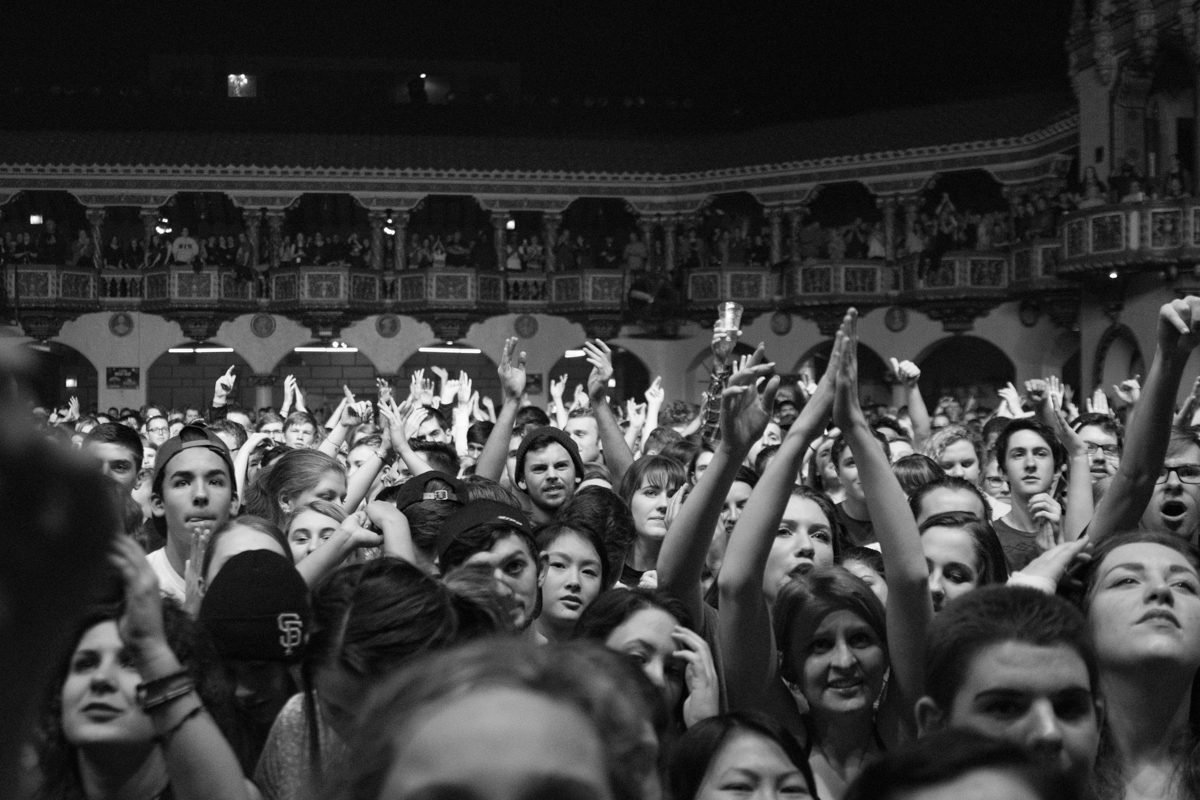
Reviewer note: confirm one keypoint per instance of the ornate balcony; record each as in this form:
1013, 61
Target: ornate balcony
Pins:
47, 296
1130, 237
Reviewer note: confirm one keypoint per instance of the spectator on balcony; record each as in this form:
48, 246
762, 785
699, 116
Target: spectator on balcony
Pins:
1175, 172
1122, 182
635, 252
512, 259
837, 244
243, 259
114, 254
564, 252
185, 251
457, 251
483, 252
584, 257
609, 257
318, 250
51, 249
760, 249
876, 247
135, 253
438, 253
810, 241
1134, 194
1095, 192
83, 250
357, 254
158, 254
856, 239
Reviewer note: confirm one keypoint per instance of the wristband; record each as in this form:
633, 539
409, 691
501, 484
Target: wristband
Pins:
164, 738
160, 691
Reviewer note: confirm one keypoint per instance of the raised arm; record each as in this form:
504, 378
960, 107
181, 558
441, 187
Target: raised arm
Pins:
744, 416
329, 555
909, 375
745, 638
909, 606
1149, 428
1078, 512
617, 455
512, 381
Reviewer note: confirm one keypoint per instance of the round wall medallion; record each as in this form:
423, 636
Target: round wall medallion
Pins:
525, 326
120, 324
263, 325
896, 319
781, 323
1029, 313
387, 326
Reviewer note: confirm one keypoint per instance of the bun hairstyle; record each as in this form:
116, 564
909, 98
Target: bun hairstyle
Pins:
289, 476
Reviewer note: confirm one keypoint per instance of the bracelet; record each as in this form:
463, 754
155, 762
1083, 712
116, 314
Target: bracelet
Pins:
163, 739
152, 694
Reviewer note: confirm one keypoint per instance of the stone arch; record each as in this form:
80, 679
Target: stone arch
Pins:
1118, 357
969, 190
55, 367
872, 370
180, 379
630, 375
699, 371
957, 365
837, 204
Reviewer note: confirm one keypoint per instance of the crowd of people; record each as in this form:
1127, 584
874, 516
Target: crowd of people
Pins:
776, 593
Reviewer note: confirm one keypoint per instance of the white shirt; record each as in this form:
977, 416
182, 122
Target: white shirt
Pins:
170, 582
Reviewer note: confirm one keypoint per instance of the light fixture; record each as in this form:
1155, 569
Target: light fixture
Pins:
35, 219
451, 348
332, 347
574, 354
71, 383
390, 231
185, 350
1113, 274
422, 76
511, 224
612, 383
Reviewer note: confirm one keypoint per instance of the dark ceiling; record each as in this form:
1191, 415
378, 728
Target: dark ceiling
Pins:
739, 63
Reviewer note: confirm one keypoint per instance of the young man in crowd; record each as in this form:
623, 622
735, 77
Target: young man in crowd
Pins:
548, 470
1032, 457
118, 448
193, 494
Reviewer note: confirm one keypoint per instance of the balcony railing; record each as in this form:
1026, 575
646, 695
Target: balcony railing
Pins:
1151, 233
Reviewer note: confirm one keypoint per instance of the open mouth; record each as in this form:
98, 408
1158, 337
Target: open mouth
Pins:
1173, 508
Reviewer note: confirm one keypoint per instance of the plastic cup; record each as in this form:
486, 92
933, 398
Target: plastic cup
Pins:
729, 317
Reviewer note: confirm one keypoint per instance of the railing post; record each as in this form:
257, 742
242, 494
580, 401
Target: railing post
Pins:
550, 223
400, 225
95, 218
377, 218
499, 230
775, 216
275, 227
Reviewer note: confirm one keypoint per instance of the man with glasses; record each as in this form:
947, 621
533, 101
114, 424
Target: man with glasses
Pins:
1175, 506
158, 431
1102, 434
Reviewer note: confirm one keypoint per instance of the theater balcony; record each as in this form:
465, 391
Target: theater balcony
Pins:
1105, 242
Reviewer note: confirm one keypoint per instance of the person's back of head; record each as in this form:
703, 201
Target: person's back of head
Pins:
915, 471
530, 417
960, 764
438, 455
659, 438
953, 483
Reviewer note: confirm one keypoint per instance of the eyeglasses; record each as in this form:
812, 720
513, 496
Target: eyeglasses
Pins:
1110, 450
995, 481
1187, 473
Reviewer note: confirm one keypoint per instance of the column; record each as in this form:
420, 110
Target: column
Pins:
377, 219
670, 226
646, 223
400, 225
499, 231
550, 225
275, 226
888, 203
252, 220
775, 216
264, 391
796, 217
149, 216
95, 218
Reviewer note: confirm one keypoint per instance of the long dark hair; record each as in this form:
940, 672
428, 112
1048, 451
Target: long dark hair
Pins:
57, 758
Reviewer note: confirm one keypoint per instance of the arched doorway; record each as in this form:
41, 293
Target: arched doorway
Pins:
321, 369
1118, 358
185, 376
963, 365
631, 379
61, 372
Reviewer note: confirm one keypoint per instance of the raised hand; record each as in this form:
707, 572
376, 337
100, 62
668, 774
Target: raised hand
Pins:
415, 384
906, 372
465, 391
557, 387
1054, 387
441, 373
1047, 512
1098, 403
745, 406
512, 371
1130, 391
1037, 390
490, 406
723, 342
385, 390
72, 409
1052, 564
846, 409
581, 397
1179, 325
600, 357
805, 384
655, 395
449, 391
223, 387
1011, 398
141, 625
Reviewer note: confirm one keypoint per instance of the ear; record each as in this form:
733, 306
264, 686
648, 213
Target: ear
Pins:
542, 564
235, 505
929, 717
285, 503
156, 505
522, 485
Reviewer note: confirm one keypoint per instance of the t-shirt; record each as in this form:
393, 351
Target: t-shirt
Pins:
284, 771
1020, 547
858, 531
170, 582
